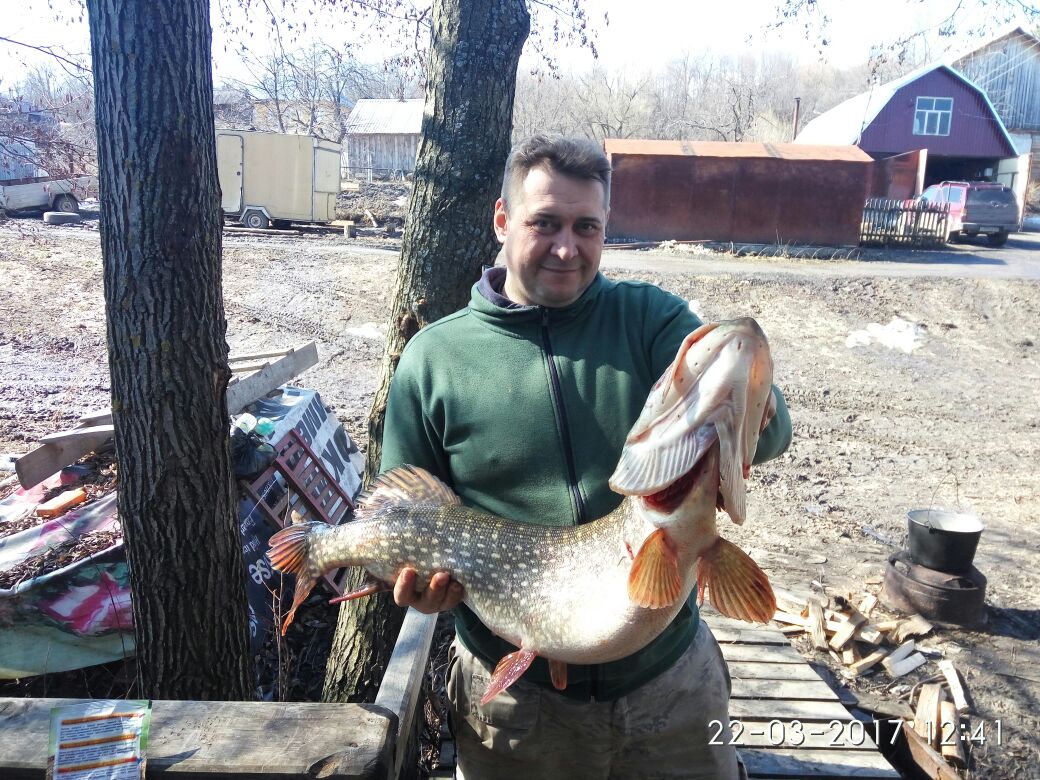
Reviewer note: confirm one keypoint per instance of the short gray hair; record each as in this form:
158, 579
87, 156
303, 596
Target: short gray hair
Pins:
577, 157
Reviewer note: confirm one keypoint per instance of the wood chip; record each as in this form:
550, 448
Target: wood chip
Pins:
850, 654
866, 606
907, 665
953, 680
873, 659
902, 651
927, 714
950, 744
911, 627
844, 634
815, 625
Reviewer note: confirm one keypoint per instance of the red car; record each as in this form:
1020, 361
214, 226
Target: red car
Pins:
977, 207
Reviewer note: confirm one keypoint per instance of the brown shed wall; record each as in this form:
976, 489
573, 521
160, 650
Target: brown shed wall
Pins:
752, 199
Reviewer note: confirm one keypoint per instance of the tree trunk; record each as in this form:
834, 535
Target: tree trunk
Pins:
466, 132
167, 353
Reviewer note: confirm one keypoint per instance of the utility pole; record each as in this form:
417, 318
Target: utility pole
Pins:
797, 108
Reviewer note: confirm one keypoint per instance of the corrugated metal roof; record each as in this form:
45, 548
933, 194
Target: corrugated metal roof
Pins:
734, 149
402, 117
845, 123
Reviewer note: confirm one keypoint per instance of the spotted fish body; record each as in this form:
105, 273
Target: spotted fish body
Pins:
597, 592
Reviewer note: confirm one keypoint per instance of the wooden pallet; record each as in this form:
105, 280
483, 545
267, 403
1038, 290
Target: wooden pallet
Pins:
311, 491
791, 723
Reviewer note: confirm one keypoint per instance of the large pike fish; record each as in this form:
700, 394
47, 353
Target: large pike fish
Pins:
596, 592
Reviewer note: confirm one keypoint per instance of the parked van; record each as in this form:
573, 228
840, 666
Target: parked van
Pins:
977, 208
276, 178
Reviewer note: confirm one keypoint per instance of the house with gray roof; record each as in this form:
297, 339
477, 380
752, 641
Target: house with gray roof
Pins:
382, 138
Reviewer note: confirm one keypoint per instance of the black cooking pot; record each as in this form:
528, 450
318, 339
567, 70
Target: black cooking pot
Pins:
943, 540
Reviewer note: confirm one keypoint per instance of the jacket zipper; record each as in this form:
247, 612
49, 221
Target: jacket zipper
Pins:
557, 398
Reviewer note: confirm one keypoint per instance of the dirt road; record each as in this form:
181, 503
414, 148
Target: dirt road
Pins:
953, 421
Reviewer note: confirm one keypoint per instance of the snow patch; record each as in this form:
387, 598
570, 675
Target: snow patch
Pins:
898, 334
368, 330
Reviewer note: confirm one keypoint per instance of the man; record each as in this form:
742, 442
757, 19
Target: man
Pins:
521, 403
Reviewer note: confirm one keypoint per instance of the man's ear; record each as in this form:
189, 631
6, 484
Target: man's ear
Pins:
501, 219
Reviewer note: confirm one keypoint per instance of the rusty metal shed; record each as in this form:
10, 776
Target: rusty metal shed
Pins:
742, 192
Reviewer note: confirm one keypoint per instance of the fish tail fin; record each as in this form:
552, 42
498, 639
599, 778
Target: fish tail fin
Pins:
292, 553
738, 587
406, 485
654, 580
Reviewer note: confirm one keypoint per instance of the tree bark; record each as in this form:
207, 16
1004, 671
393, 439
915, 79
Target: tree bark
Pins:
466, 131
161, 244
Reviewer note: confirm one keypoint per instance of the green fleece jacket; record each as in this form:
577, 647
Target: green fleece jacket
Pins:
523, 410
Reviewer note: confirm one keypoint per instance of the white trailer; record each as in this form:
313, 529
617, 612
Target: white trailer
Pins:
275, 178
53, 193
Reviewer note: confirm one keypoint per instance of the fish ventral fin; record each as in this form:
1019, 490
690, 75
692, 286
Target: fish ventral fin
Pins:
558, 673
508, 671
369, 587
738, 587
407, 485
291, 553
654, 581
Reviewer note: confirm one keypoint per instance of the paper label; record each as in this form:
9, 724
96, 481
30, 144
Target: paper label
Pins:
99, 740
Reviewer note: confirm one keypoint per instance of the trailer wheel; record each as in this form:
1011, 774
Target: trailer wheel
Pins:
66, 203
256, 219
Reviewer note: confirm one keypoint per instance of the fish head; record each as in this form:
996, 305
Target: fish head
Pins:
716, 390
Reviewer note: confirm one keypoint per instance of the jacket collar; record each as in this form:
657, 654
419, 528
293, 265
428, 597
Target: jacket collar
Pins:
489, 303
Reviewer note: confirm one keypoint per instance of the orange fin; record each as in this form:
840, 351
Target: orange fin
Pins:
290, 553
407, 485
737, 586
370, 588
507, 672
654, 581
558, 672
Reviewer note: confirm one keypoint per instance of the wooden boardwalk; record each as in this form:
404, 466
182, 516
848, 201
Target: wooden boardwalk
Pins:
785, 720
790, 723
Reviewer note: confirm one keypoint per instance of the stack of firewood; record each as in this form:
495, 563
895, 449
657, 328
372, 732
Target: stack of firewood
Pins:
938, 730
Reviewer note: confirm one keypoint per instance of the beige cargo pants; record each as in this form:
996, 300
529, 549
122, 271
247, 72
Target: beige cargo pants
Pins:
661, 730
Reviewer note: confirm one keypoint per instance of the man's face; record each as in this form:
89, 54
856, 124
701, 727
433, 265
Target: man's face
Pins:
553, 237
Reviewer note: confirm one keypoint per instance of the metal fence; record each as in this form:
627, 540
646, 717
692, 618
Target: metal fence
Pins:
890, 222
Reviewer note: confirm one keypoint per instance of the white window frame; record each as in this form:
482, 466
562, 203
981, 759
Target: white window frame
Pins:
926, 115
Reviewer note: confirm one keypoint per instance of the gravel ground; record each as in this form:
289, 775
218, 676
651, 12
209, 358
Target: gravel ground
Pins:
878, 430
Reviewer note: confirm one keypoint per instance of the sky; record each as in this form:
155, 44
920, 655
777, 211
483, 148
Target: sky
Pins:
645, 34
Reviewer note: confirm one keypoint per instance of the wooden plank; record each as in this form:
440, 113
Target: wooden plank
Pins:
900, 653
60, 449
258, 355
90, 432
198, 739
782, 763
927, 714
810, 690
776, 654
246, 390
761, 732
950, 745
38, 464
245, 368
953, 680
748, 636
815, 625
751, 670
930, 762
100, 417
788, 709
403, 679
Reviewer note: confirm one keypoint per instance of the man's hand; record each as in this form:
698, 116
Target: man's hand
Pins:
442, 594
